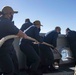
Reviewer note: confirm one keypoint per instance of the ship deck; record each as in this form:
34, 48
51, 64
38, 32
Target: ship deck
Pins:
63, 70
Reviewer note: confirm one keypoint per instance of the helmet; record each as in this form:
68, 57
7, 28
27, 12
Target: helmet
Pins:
8, 9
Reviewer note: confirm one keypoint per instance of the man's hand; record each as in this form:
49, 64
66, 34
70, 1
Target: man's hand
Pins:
36, 43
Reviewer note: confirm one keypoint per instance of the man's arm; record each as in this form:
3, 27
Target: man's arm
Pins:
21, 34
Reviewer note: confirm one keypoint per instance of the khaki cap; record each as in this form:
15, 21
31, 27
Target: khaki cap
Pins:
37, 22
7, 9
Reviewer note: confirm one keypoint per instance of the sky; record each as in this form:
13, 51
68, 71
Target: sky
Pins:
51, 13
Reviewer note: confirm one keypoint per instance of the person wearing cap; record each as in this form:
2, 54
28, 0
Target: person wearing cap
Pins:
71, 38
46, 53
37, 23
27, 48
7, 64
51, 36
26, 24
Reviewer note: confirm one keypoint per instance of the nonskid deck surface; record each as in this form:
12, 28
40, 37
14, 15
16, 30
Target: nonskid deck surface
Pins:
63, 70
62, 73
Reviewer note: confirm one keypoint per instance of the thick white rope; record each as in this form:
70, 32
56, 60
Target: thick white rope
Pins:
6, 38
13, 36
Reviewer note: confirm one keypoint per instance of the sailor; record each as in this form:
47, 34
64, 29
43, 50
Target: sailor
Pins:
71, 38
7, 27
27, 48
26, 24
46, 52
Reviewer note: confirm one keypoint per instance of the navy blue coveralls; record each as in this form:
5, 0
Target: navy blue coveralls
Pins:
71, 38
26, 47
46, 53
25, 25
8, 58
